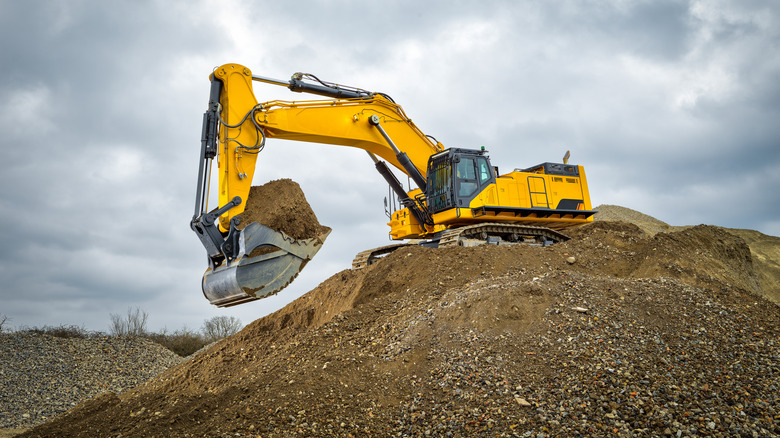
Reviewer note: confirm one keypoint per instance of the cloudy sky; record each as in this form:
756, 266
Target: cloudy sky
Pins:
671, 106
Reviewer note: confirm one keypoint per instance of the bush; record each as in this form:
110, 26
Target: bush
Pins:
64, 331
220, 327
183, 342
133, 324
3, 321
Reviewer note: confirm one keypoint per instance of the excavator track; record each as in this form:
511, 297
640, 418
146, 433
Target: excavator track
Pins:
500, 234
369, 256
473, 235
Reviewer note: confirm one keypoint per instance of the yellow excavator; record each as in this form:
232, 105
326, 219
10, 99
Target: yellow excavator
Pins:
459, 199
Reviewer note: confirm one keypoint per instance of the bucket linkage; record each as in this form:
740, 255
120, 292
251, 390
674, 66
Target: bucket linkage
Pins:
252, 263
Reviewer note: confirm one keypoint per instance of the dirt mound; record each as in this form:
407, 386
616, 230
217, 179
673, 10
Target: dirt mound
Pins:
703, 255
615, 332
764, 249
281, 206
647, 223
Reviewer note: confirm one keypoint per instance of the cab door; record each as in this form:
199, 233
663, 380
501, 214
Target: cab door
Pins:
473, 174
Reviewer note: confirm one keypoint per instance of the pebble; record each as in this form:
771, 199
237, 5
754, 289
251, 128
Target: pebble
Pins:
662, 358
42, 376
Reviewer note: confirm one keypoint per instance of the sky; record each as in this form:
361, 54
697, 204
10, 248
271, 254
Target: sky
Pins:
672, 107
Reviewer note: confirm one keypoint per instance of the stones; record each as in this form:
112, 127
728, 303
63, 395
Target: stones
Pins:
522, 402
44, 376
426, 344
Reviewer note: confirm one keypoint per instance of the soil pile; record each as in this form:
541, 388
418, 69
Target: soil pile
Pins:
614, 333
281, 206
764, 249
647, 223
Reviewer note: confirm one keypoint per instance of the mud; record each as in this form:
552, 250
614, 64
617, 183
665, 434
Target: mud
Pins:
282, 206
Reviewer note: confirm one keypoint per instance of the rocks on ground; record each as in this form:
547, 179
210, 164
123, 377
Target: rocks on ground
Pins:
42, 376
642, 335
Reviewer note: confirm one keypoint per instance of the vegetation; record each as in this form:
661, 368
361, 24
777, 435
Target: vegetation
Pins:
220, 327
64, 331
183, 342
132, 324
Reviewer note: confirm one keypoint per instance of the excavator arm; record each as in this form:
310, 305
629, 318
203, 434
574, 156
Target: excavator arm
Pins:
356, 118
235, 129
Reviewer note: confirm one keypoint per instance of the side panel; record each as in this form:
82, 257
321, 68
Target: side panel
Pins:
507, 191
533, 197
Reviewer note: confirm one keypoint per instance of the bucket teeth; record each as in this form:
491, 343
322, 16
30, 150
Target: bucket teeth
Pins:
268, 261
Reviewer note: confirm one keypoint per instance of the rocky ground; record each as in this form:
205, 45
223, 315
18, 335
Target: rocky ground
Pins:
618, 332
764, 250
42, 376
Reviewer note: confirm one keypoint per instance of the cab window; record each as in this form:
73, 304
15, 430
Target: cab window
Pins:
484, 170
466, 168
466, 172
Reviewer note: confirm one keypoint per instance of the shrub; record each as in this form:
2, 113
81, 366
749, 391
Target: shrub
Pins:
64, 331
133, 324
183, 342
220, 327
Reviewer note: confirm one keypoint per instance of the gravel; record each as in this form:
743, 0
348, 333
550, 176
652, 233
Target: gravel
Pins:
42, 376
624, 364
640, 336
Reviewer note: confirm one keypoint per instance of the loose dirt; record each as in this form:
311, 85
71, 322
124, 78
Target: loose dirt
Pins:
620, 331
281, 206
764, 249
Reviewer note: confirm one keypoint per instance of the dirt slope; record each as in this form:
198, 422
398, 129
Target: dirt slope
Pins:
766, 260
647, 223
764, 249
638, 334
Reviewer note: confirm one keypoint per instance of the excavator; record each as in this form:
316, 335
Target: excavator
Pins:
460, 199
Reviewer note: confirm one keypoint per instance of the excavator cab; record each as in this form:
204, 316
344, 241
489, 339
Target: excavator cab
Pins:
456, 176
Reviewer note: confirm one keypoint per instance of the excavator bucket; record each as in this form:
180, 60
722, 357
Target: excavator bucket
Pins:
267, 262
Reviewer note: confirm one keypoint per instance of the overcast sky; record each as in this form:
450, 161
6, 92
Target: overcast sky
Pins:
671, 107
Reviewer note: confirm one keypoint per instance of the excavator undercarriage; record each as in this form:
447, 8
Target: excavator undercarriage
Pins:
472, 235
